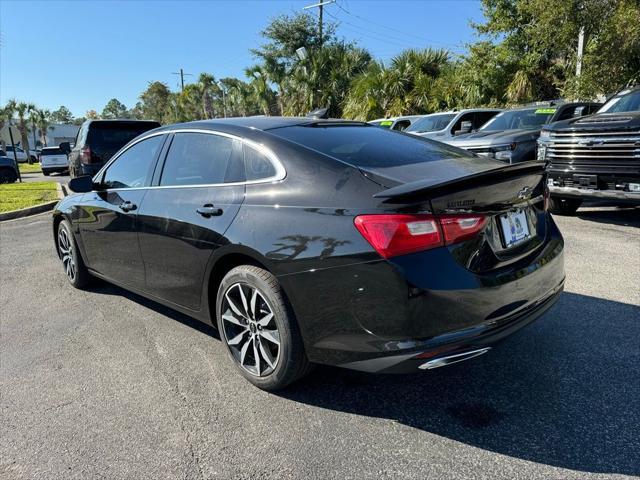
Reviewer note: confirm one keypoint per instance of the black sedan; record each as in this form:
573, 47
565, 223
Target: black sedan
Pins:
318, 241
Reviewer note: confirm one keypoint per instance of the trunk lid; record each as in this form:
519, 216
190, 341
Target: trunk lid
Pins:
511, 197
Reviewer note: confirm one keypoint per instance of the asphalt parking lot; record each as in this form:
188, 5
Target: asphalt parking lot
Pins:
105, 384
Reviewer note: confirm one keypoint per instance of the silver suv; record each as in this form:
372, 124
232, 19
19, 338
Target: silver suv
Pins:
443, 126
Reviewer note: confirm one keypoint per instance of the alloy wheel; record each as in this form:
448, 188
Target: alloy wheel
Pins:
65, 245
250, 329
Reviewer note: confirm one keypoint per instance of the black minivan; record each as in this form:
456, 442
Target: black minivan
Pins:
98, 140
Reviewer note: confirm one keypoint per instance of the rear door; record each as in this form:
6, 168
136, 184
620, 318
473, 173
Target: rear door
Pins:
108, 217
196, 196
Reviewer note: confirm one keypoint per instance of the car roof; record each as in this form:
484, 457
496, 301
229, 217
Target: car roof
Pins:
257, 123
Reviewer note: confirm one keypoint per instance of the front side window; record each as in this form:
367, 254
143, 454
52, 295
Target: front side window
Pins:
132, 169
202, 159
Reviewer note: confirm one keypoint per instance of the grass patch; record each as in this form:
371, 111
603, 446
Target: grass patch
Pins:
21, 195
26, 168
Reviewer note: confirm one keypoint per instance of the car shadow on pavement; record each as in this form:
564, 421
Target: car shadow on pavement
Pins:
104, 288
564, 391
628, 216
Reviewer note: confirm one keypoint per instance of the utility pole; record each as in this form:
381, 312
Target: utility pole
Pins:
580, 51
320, 7
182, 74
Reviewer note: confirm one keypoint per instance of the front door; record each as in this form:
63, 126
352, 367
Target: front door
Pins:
108, 218
184, 218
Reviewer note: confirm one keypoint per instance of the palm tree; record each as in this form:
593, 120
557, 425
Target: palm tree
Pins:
260, 85
23, 110
6, 114
208, 90
43, 119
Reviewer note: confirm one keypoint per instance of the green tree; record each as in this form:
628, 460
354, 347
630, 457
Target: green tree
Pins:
156, 101
6, 114
62, 115
114, 109
23, 110
532, 44
43, 123
91, 115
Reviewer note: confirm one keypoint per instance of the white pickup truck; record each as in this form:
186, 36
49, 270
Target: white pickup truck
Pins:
53, 159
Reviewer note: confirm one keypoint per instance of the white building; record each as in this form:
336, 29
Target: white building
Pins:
55, 135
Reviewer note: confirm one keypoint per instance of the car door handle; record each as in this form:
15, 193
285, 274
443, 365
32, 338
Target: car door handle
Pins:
209, 210
128, 206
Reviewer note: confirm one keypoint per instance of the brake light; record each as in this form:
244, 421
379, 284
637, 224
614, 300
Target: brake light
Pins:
399, 234
85, 155
457, 228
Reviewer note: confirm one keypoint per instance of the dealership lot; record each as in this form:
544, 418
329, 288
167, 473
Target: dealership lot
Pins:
105, 384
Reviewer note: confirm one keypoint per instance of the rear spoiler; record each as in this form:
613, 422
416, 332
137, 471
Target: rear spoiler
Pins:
414, 190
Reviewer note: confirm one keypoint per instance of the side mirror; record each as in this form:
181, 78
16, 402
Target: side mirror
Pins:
82, 184
65, 147
465, 127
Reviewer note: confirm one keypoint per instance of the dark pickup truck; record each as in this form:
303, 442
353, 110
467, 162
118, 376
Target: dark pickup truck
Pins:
595, 157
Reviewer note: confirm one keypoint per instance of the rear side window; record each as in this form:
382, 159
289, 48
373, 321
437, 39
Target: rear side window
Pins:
257, 165
202, 159
132, 168
113, 135
366, 146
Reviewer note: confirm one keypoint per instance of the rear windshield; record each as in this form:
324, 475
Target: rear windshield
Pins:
532, 118
366, 146
116, 135
431, 123
51, 151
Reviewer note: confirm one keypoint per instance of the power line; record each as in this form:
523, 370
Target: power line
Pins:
404, 33
320, 9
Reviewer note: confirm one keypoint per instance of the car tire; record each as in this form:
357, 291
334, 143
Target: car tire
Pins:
73, 264
249, 328
564, 206
7, 175
46, 174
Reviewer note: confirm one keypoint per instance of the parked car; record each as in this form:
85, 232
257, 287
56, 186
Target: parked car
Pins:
596, 157
98, 140
319, 241
21, 155
53, 159
395, 123
8, 171
512, 135
447, 125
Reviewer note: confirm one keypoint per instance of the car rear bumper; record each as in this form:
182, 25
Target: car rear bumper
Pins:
54, 168
618, 195
381, 315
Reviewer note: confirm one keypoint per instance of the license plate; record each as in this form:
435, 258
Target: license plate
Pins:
515, 228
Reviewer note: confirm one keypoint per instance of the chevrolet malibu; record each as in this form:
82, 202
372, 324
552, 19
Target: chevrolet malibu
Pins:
312, 241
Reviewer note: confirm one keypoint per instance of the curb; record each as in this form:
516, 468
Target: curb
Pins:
43, 207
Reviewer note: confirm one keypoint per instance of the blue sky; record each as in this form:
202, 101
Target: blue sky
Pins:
81, 54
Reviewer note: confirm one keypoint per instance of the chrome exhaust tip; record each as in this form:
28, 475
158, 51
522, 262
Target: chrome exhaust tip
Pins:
450, 359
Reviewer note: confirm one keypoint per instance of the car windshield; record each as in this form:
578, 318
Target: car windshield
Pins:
625, 101
364, 146
515, 119
431, 123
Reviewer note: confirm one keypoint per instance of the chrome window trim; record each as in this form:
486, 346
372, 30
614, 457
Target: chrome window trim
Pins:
280, 174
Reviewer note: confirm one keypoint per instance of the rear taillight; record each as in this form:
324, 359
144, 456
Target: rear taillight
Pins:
459, 228
393, 235
85, 155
